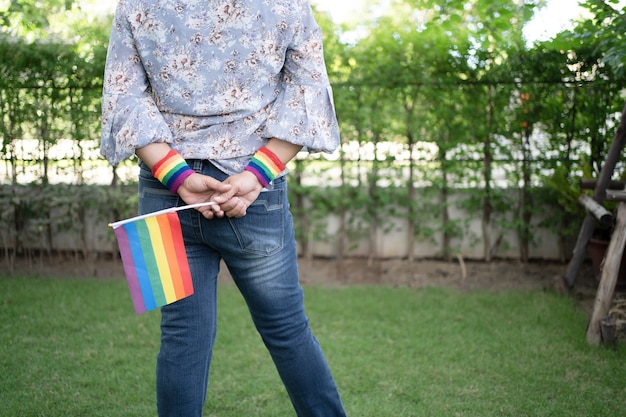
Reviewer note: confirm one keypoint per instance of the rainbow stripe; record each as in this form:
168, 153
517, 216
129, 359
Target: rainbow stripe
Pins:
155, 261
172, 170
265, 165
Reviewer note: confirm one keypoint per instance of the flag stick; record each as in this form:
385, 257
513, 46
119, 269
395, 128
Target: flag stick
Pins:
156, 213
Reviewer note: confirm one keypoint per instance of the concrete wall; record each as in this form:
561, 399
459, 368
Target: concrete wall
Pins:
393, 244
98, 237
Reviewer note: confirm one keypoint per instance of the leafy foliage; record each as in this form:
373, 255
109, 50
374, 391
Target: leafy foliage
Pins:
431, 97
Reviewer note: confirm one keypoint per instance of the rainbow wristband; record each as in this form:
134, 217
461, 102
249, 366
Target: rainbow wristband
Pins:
265, 165
172, 170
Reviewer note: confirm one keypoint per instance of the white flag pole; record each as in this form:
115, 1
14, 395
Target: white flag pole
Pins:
156, 213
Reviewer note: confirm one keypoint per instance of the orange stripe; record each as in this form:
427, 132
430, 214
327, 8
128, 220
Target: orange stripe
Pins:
158, 166
163, 278
167, 166
181, 255
269, 163
165, 223
275, 159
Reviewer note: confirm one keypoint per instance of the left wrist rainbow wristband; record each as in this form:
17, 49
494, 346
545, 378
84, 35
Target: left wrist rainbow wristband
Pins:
265, 165
172, 170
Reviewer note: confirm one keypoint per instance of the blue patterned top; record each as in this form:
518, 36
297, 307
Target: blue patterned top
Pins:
215, 79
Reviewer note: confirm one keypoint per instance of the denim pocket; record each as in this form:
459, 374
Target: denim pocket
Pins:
261, 231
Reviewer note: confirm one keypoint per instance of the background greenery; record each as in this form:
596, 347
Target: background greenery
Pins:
431, 97
76, 348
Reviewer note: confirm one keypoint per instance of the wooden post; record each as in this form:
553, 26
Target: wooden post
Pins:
608, 277
590, 184
588, 226
615, 195
599, 212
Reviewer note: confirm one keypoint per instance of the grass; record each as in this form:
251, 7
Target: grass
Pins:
75, 348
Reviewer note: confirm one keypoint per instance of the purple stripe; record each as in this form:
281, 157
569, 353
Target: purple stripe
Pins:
139, 260
129, 269
258, 174
179, 179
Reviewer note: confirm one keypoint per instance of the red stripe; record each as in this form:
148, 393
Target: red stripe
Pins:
156, 166
181, 255
165, 224
271, 155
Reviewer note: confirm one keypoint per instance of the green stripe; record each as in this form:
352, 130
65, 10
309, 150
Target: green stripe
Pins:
170, 177
151, 265
259, 165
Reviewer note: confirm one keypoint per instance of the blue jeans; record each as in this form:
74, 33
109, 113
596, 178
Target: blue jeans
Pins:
260, 252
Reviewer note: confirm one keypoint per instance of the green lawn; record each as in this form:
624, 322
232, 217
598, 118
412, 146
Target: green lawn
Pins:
75, 348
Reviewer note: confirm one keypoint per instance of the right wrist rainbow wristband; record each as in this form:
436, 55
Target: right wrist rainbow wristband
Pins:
172, 170
265, 165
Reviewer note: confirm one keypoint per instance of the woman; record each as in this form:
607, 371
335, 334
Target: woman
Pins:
215, 97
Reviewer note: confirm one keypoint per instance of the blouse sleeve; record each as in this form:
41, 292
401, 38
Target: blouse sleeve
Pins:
304, 112
130, 117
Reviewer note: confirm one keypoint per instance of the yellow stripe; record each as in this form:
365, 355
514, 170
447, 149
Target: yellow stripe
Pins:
267, 162
161, 259
167, 167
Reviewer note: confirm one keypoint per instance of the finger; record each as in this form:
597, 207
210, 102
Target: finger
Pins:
236, 214
213, 211
217, 213
238, 210
220, 187
224, 197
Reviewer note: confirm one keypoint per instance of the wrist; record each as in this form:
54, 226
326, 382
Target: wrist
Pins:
253, 180
172, 171
265, 166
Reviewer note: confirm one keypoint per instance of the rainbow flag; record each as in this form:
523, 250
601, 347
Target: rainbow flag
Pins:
154, 258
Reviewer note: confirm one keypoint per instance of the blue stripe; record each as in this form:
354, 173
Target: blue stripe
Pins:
143, 276
260, 167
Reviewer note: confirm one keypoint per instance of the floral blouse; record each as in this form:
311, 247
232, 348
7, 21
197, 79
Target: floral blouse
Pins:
215, 79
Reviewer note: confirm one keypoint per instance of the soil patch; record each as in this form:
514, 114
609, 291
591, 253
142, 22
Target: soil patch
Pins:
498, 275
465, 276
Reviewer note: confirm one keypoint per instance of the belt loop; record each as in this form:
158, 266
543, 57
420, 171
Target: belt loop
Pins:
195, 164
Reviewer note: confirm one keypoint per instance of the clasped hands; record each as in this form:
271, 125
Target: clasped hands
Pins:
232, 196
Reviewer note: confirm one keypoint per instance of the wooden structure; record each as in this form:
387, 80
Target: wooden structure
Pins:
610, 271
599, 195
597, 213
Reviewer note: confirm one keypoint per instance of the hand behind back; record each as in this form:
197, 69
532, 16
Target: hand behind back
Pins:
233, 196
